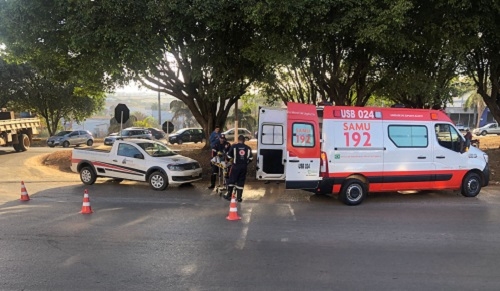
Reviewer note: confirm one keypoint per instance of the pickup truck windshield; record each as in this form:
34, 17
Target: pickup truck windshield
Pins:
156, 149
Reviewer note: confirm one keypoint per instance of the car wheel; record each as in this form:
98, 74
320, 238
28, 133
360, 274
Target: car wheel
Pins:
90, 142
246, 138
179, 141
65, 144
24, 142
158, 181
87, 176
353, 192
484, 132
471, 185
51, 146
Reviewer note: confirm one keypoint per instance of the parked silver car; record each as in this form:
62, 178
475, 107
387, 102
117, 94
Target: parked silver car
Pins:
67, 138
131, 132
241, 131
490, 128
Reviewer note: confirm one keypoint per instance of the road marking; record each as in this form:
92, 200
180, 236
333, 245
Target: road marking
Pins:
240, 243
292, 212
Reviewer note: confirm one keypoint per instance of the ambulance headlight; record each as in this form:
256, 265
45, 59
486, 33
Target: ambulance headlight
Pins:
485, 157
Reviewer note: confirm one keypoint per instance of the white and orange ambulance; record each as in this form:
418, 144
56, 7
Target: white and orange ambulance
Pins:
351, 151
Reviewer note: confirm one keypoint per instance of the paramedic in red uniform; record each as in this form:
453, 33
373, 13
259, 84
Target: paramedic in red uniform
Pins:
241, 154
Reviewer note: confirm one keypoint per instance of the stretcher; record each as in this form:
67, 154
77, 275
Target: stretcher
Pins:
224, 167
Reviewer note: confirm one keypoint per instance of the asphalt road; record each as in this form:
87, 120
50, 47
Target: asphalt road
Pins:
179, 239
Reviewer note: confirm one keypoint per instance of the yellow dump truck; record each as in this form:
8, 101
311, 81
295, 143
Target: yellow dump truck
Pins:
17, 132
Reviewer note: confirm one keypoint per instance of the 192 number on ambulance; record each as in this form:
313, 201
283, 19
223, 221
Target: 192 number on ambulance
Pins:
357, 138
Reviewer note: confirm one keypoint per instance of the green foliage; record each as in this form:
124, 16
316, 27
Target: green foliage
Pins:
50, 99
193, 50
149, 121
208, 53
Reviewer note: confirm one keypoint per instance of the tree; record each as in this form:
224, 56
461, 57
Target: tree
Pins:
333, 46
147, 122
182, 114
475, 25
10, 74
193, 50
291, 83
52, 100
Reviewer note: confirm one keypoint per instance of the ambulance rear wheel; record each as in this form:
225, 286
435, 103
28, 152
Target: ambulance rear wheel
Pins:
471, 185
353, 192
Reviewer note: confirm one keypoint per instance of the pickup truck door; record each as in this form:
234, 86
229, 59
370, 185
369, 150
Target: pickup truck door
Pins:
126, 164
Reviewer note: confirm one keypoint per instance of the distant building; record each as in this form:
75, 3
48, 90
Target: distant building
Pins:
458, 114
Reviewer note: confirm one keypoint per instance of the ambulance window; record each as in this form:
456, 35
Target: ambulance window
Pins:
271, 134
303, 135
409, 136
448, 137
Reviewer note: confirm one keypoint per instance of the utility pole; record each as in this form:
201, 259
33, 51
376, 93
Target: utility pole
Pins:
236, 121
159, 107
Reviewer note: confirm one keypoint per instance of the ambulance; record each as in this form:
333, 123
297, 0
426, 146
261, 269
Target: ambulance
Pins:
351, 151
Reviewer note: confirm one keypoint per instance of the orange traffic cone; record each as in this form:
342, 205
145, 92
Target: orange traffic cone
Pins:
233, 210
24, 193
86, 209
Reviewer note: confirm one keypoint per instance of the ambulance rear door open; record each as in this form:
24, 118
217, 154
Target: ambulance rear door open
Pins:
303, 147
271, 144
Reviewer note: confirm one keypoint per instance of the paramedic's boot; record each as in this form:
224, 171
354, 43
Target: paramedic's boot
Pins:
229, 193
239, 193
212, 181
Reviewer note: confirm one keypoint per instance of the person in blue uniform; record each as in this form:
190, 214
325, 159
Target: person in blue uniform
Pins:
241, 155
214, 136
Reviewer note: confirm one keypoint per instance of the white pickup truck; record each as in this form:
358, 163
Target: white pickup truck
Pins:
138, 160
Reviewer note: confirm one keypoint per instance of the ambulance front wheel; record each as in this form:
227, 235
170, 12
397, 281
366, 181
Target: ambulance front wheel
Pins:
471, 185
353, 192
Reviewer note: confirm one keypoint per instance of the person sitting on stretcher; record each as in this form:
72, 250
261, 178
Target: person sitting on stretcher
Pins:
219, 151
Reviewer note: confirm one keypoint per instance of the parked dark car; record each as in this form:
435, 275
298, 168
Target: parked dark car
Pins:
157, 133
187, 135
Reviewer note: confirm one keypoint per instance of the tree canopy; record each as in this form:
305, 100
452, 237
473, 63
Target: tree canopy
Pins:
207, 53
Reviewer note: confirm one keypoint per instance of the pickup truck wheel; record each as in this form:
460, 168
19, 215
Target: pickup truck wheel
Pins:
484, 132
65, 144
90, 142
471, 185
353, 192
24, 142
158, 181
87, 176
